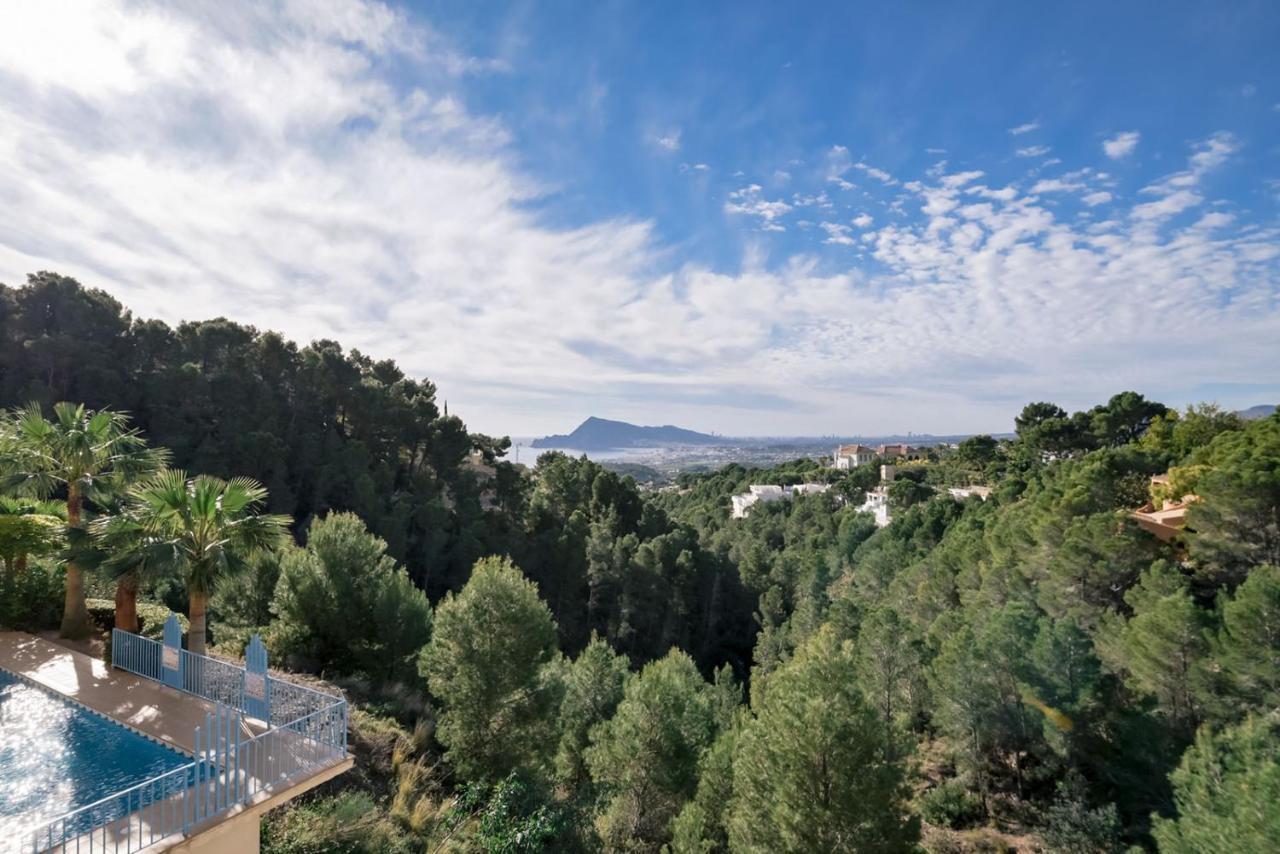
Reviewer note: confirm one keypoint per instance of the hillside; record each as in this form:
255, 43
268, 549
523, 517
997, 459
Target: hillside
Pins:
601, 434
1260, 411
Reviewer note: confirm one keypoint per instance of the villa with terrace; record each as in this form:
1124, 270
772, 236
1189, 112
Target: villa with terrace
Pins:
164, 750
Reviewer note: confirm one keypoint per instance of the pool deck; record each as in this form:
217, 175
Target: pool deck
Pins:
170, 717
154, 710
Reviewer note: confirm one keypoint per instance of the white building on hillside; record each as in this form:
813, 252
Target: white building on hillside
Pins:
877, 504
765, 493
960, 493
851, 456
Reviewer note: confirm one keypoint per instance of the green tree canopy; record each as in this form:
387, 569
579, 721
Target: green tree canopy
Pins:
1247, 648
83, 454
1236, 523
593, 687
29, 527
337, 598
1227, 791
810, 774
977, 451
489, 646
646, 756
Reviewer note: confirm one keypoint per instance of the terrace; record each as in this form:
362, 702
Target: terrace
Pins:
246, 741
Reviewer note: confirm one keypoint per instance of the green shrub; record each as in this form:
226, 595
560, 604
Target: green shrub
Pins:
346, 822
949, 804
31, 600
151, 617
516, 816
102, 613
336, 598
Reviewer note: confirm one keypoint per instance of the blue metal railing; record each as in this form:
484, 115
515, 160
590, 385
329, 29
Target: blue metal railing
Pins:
127, 821
216, 680
307, 732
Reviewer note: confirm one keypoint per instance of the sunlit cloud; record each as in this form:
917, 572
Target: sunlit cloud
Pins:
263, 164
1121, 145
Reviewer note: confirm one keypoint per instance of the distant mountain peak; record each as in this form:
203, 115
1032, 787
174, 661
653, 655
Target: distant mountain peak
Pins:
1261, 411
603, 434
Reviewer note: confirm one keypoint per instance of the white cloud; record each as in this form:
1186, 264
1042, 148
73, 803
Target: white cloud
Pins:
1170, 205
1206, 156
749, 201
263, 164
878, 174
814, 200
1004, 194
837, 233
1099, 197
1025, 128
1122, 144
959, 179
669, 141
1056, 185
1033, 151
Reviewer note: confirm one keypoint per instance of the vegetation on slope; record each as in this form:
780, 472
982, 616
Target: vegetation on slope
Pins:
552, 659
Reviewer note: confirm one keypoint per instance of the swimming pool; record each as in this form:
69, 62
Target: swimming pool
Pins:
56, 756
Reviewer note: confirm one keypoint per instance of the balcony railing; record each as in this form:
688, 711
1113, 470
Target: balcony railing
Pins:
306, 732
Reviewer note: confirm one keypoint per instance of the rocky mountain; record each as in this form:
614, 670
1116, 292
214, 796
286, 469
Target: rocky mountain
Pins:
601, 434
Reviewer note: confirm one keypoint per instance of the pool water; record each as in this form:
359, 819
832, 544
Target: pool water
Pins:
56, 756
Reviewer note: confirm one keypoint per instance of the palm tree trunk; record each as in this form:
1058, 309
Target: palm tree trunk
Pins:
196, 610
127, 602
75, 616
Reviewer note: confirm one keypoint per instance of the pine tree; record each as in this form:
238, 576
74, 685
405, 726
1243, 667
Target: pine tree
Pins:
646, 756
485, 664
1247, 649
593, 687
809, 773
1227, 791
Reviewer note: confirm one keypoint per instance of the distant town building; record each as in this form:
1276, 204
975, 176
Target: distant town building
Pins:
897, 452
887, 473
851, 456
764, 493
962, 492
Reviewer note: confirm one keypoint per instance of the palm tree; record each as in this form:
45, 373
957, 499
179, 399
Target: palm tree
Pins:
89, 454
203, 529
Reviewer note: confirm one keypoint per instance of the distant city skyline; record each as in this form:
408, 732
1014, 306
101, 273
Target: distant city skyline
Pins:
868, 219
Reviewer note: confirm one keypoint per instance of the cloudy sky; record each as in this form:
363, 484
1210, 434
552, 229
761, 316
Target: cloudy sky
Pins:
871, 218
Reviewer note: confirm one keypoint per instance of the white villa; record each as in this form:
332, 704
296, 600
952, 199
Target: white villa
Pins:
877, 504
764, 493
851, 456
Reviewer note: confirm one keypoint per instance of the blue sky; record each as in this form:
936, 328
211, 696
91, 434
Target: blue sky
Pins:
735, 217
759, 94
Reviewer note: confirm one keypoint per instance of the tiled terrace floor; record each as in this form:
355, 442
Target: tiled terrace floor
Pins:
153, 709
